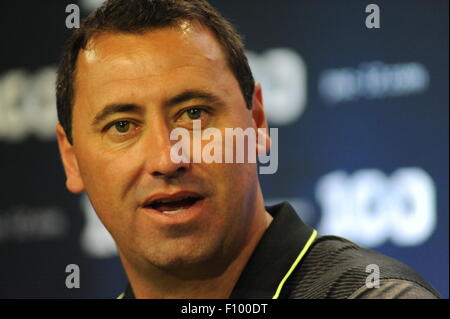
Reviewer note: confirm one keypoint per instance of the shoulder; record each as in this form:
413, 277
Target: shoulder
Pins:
335, 267
393, 289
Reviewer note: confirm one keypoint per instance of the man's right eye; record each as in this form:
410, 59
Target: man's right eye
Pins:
121, 128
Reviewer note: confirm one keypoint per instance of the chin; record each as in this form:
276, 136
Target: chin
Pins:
187, 261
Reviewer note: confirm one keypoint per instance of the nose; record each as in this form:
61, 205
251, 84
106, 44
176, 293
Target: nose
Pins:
159, 161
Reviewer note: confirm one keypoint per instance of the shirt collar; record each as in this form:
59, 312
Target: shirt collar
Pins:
280, 249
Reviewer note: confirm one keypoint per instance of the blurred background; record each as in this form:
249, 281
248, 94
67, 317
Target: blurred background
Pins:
363, 129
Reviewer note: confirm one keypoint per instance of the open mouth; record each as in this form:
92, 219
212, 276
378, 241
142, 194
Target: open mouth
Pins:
173, 206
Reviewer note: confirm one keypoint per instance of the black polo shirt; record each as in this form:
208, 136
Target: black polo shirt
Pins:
292, 262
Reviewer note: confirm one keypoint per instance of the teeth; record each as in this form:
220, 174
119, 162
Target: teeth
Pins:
171, 212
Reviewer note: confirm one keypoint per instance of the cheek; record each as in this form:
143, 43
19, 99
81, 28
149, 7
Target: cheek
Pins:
233, 181
106, 184
107, 178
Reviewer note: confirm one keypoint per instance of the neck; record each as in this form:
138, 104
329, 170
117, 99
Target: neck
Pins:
159, 284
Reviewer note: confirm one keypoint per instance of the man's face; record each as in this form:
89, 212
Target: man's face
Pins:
152, 83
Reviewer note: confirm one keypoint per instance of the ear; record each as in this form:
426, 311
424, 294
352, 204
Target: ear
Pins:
74, 182
260, 121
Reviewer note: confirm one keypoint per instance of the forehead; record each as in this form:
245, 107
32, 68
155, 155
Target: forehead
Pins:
115, 59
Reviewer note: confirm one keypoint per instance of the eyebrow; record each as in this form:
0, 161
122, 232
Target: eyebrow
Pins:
117, 108
192, 95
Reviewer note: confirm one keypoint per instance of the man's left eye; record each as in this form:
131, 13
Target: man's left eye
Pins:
122, 126
194, 113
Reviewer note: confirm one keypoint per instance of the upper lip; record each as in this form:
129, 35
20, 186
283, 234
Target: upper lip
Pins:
170, 197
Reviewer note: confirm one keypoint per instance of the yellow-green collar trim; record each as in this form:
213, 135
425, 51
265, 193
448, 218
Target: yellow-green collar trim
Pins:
284, 244
293, 266
297, 260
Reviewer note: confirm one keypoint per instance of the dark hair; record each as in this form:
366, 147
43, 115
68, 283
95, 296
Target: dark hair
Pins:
137, 16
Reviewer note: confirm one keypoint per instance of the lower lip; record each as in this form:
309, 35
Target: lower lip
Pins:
183, 216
